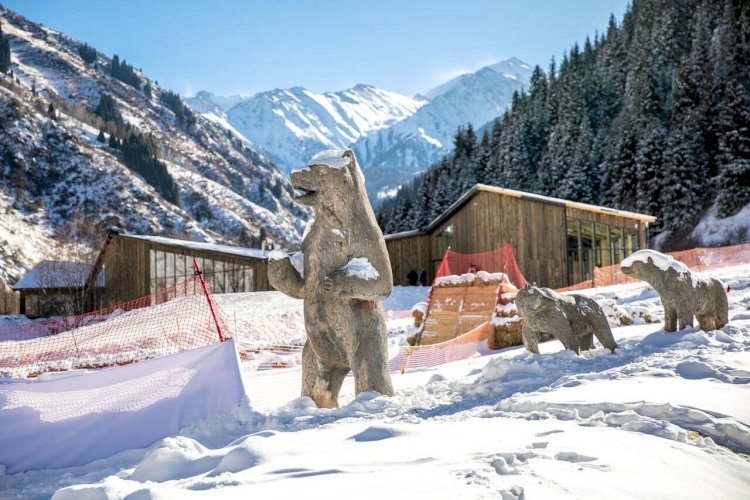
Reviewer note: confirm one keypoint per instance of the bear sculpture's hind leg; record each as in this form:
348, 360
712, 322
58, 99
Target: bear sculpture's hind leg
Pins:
568, 338
370, 358
319, 382
586, 342
670, 318
685, 319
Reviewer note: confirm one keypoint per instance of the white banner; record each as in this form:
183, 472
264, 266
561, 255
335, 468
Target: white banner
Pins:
70, 421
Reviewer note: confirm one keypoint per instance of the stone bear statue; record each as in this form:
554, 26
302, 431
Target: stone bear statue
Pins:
572, 319
344, 274
683, 293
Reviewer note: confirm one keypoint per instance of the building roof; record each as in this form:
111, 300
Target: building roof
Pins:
254, 253
56, 274
517, 194
403, 234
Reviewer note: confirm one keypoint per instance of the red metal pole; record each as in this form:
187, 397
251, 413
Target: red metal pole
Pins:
199, 273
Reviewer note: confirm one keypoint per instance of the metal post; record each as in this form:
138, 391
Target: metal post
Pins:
208, 299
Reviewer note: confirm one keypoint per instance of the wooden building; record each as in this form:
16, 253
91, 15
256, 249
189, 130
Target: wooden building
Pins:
556, 242
131, 266
54, 288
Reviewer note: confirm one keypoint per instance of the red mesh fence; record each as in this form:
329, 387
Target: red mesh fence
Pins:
501, 260
470, 344
181, 317
697, 259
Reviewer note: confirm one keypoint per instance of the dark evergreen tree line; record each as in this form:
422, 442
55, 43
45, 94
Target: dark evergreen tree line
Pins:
139, 154
124, 72
185, 116
87, 53
651, 116
107, 111
4, 52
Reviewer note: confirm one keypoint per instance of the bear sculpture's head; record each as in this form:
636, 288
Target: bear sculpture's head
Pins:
328, 180
529, 298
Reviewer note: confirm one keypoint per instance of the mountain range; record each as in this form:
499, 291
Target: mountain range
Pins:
90, 140
394, 136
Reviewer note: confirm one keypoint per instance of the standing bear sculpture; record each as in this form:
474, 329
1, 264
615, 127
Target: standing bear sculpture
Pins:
572, 319
683, 294
342, 275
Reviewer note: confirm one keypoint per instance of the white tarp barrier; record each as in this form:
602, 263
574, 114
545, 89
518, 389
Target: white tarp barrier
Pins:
71, 421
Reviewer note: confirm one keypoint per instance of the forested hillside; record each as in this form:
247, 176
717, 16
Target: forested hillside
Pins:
652, 116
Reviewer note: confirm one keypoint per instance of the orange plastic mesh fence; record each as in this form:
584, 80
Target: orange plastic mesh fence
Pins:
464, 346
697, 259
171, 320
500, 260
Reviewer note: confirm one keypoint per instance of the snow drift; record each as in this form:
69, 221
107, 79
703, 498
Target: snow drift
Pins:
72, 420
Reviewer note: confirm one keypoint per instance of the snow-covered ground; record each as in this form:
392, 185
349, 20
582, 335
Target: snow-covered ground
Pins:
665, 416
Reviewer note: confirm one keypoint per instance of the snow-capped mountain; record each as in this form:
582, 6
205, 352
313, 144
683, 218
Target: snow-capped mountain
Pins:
290, 125
394, 155
53, 169
394, 136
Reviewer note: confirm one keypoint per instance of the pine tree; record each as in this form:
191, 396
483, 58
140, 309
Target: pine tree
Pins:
733, 180
4, 52
107, 111
101, 138
87, 53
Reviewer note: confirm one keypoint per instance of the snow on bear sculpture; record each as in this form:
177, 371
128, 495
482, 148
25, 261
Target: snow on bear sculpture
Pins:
572, 319
344, 274
683, 293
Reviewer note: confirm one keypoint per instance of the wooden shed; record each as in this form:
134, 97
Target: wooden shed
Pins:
133, 266
54, 288
556, 242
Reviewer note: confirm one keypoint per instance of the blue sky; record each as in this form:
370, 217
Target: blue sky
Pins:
244, 47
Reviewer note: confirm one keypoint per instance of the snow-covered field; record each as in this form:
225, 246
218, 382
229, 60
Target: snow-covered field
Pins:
666, 416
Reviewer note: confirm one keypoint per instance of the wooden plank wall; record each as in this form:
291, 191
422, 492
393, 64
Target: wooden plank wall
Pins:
488, 220
410, 252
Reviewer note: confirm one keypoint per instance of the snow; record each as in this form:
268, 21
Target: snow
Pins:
659, 259
255, 253
334, 158
420, 307
55, 274
69, 421
454, 279
665, 416
360, 267
277, 255
712, 231
663, 262
298, 262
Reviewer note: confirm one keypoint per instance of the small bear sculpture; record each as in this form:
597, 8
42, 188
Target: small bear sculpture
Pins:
683, 294
572, 319
343, 274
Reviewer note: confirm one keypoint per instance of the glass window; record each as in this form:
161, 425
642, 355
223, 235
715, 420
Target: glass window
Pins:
219, 284
572, 247
169, 269
618, 244
587, 249
603, 256
249, 279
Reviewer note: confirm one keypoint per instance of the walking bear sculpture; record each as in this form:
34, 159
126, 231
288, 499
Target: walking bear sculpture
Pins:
572, 319
344, 274
683, 293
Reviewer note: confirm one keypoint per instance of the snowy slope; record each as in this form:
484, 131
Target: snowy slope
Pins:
52, 169
290, 125
666, 416
394, 155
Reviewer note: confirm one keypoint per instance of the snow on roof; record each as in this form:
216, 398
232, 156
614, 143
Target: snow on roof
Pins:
332, 157
254, 253
57, 274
